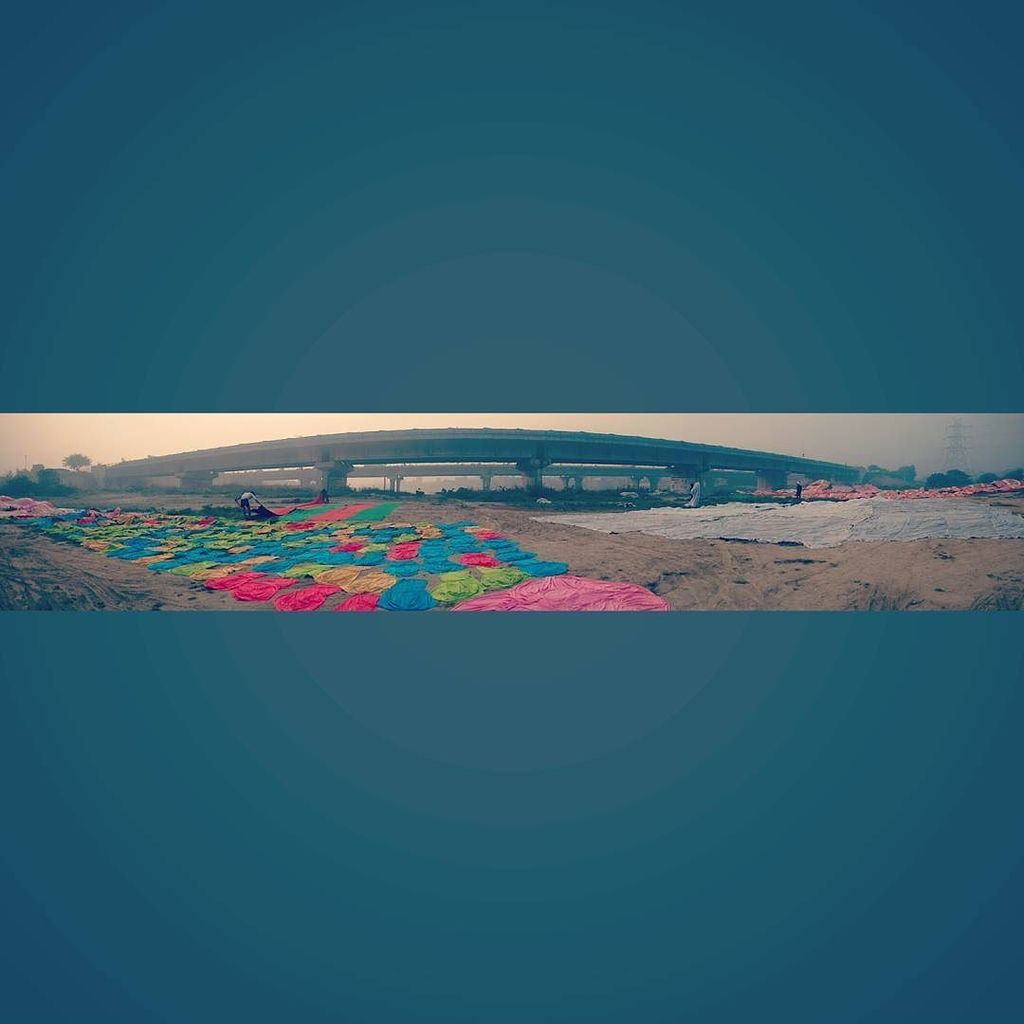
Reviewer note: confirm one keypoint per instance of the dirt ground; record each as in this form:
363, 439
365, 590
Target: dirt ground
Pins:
39, 573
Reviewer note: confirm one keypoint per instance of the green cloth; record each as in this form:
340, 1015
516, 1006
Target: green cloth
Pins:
495, 578
456, 586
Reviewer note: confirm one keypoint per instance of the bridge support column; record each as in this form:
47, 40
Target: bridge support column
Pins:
565, 482
197, 479
335, 475
771, 479
686, 474
578, 480
533, 473
485, 483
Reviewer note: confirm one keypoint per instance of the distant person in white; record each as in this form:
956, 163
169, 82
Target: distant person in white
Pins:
247, 500
694, 495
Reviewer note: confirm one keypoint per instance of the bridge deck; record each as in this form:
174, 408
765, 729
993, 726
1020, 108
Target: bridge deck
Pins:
522, 448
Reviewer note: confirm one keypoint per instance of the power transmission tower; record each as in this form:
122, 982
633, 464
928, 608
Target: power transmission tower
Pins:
957, 449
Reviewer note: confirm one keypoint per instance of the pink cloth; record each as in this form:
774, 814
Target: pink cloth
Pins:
404, 552
308, 599
476, 559
567, 594
351, 545
359, 603
488, 535
262, 589
236, 579
823, 490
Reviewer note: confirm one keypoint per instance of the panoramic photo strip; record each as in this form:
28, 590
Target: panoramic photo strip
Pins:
532, 512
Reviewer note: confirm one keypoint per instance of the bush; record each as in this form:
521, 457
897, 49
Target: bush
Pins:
954, 478
21, 485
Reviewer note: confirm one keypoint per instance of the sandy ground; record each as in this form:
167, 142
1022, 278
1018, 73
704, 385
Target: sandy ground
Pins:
39, 573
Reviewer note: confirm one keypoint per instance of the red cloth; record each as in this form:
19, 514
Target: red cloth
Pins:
306, 524
262, 589
404, 552
488, 535
236, 579
351, 545
359, 603
567, 594
308, 599
477, 559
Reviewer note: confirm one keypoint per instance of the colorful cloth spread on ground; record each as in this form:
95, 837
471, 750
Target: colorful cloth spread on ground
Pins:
822, 490
819, 524
347, 558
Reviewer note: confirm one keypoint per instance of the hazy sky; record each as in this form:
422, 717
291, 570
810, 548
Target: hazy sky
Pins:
996, 441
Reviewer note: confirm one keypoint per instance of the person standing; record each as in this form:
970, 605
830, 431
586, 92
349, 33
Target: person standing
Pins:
694, 494
799, 492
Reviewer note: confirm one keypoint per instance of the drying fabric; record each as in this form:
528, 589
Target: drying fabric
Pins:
331, 515
235, 579
534, 567
500, 578
407, 596
304, 569
440, 567
262, 589
352, 545
824, 490
359, 603
567, 594
479, 559
404, 569
820, 524
308, 599
344, 577
403, 552
374, 582
456, 586
371, 558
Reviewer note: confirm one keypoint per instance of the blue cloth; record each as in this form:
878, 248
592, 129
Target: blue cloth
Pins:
402, 569
536, 568
372, 558
406, 596
436, 566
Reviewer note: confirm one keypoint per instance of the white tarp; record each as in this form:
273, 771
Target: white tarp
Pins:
818, 524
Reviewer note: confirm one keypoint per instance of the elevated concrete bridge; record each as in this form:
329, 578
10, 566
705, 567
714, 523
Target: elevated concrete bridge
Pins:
393, 476
533, 454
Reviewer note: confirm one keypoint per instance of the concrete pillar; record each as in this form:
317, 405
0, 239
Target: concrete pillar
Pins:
485, 483
565, 482
579, 483
684, 475
333, 475
771, 479
533, 472
197, 479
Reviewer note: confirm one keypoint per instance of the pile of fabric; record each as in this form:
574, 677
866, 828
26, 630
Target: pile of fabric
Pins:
823, 490
28, 508
346, 558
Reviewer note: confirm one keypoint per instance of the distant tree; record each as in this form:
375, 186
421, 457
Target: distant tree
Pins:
77, 461
954, 478
907, 473
1014, 474
987, 478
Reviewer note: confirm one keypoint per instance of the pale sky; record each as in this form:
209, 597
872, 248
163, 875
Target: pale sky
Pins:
996, 441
